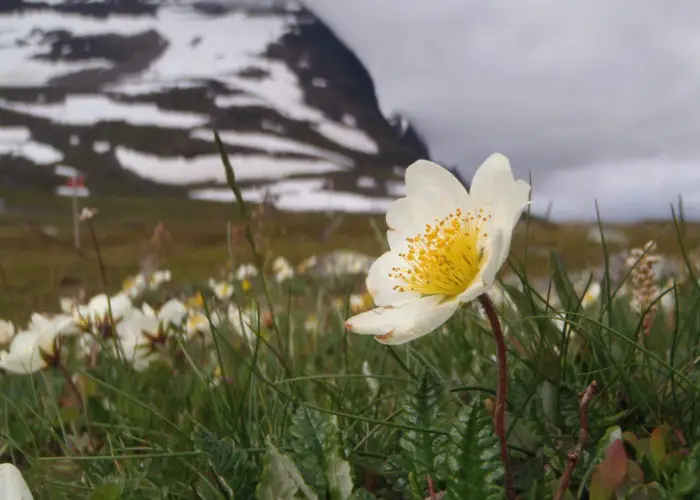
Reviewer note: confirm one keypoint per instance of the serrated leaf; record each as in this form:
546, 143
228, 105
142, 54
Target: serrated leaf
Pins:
474, 457
281, 479
314, 438
420, 452
232, 465
687, 480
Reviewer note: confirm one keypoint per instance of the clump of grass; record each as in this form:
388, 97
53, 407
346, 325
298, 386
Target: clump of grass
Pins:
259, 392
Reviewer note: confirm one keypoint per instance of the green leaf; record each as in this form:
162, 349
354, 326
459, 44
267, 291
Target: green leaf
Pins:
106, 492
610, 473
687, 480
363, 494
314, 438
420, 452
339, 478
650, 491
232, 465
657, 447
281, 479
474, 459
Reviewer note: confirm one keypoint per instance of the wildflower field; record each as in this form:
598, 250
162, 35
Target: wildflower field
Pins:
480, 357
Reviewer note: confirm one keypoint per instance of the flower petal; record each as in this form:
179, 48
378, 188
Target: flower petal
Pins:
432, 182
494, 189
409, 321
380, 286
173, 312
12, 484
486, 188
432, 192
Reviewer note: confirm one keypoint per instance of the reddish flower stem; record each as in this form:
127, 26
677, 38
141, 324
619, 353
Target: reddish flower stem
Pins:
431, 487
499, 414
574, 455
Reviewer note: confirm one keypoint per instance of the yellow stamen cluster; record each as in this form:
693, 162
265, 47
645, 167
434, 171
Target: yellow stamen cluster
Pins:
446, 258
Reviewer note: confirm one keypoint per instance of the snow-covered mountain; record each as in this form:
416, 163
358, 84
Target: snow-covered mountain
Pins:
127, 92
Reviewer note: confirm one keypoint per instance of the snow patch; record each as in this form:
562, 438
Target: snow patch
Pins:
91, 109
301, 197
238, 100
320, 83
348, 137
13, 137
396, 189
65, 171
100, 147
208, 168
367, 182
271, 144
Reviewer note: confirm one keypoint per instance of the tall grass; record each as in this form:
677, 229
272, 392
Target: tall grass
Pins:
295, 411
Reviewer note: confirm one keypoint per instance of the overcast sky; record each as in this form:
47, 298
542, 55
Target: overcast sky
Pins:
596, 98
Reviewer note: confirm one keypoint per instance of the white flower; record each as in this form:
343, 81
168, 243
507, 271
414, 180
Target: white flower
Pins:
12, 484
245, 271
30, 352
156, 279
307, 264
198, 323
134, 286
360, 303
282, 269
68, 304
7, 331
244, 322
95, 315
88, 213
141, 336
592, 294
222, 289
311, 324
446, 246
173, 312
60, 324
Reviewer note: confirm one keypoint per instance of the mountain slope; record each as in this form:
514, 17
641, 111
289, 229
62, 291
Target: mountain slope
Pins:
127, 92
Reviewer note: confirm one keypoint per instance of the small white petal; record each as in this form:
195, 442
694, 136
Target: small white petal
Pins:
406, 322
173, 312
496, 255
486, 188
12, 484
380, 286
434, 184
147, 309
432, 192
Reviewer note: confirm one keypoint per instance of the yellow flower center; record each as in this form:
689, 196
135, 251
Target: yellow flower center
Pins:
128, 283
196, 301
446, 258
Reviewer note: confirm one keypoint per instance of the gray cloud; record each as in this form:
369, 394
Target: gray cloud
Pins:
595, 99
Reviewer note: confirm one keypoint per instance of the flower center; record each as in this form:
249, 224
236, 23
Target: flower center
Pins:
446, 258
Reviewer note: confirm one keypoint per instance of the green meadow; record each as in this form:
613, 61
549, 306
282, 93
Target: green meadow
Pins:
271, 397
